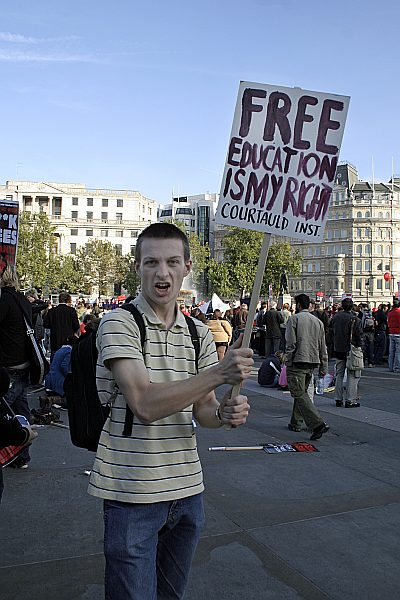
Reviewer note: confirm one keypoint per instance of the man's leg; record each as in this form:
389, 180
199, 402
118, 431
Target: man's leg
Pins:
130, 548
396, 362
298, 382
17, 398
276, 344
340, 370
353, 377
268, 346
380, 344
392, 349
176, 546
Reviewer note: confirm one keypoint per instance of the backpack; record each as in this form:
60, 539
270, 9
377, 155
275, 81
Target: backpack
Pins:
368, 323
86, 413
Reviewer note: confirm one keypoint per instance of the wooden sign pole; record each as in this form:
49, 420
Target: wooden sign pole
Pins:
255, 294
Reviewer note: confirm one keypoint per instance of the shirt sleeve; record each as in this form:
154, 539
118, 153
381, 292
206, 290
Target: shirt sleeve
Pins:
118, 337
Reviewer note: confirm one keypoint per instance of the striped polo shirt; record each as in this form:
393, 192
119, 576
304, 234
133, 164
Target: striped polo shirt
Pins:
159, 461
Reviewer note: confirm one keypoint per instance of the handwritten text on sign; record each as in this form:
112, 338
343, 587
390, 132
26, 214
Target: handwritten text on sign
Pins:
282, 160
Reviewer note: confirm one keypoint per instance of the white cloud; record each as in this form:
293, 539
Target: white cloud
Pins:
50, 58
17, 38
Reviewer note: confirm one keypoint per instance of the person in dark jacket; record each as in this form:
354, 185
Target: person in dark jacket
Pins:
347, 329
15, 347
381, 321
62, 322
272, 321
268, 373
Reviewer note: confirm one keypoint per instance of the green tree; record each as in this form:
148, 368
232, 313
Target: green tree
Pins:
71, 276
241, 253
98, 261
37, 262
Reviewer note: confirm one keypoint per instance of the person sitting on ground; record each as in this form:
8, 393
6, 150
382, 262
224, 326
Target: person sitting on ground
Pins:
60, 366
268, 373
222, 332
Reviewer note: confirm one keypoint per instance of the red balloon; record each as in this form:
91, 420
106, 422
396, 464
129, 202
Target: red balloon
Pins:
387, 276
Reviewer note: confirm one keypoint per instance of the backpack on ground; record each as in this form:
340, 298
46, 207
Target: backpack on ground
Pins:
86, 413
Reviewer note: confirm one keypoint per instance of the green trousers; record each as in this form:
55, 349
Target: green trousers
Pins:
303, 409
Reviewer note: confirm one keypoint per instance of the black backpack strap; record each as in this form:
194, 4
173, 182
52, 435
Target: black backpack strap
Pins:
127, 432
195, 339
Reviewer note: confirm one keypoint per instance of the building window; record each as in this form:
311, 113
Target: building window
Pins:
104, 233
367, 265
118, 249
388, 250
359, 265
379, 249
119, 233
368, 249
380, 215
133, 249
309, 268
359, 214
74, 201
74, 215
89, 216
104, 217
359, 249
89, 201
387, 285
104, 202
120, 203
358, 284
367, 214
89, 232
368, 232
379, 266
134, 233
310, 250
74, 232
358, 232
379, 284
387, 215
72, 248
118, 216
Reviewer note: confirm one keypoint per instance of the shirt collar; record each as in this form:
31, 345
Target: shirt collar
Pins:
151, 316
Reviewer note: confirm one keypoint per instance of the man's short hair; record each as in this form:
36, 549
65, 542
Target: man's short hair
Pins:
32, 294
64, 298
303, 300
163, 231
347, 304
273, 304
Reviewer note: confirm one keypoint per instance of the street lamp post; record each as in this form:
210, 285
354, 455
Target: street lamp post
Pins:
367, 290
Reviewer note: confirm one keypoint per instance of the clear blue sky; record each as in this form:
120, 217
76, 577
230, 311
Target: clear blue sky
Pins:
140, 95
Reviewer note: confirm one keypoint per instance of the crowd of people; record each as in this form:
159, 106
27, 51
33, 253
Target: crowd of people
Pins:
151, 482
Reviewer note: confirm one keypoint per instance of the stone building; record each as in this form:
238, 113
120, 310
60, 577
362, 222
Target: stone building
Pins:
81, 214
361, 243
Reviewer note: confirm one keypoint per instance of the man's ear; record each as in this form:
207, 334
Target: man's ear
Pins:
136, 266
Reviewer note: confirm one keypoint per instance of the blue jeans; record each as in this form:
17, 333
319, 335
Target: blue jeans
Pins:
149, 547
394, 352
17, 398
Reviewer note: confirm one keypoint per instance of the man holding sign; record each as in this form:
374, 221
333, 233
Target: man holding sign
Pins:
151, 481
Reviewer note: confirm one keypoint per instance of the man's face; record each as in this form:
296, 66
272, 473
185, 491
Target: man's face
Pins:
162, 268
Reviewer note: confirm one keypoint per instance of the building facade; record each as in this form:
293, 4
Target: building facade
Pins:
360, 255
81, 214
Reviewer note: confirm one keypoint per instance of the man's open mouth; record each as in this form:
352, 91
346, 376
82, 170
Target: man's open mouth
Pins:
162, 286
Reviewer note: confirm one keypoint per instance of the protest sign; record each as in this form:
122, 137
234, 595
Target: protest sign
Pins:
282, 159
8, 231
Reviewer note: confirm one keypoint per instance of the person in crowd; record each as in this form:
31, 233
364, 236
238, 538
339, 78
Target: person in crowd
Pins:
60, 366
268, 373
381, 324
239, 320
272, 322
62, 322
261, 329
221, 331
368, 327
11, 433
305, 351
347, 330
38, 308
286, 314
151, 482
183, 310
394, 337
15, 347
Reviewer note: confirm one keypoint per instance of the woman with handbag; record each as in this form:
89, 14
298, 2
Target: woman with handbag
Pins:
347, 349
15, 350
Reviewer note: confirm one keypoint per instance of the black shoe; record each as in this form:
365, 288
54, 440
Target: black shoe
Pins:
319, 431
352, 404
339, 403
296, 428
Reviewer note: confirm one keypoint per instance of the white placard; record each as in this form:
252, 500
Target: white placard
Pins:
282, 159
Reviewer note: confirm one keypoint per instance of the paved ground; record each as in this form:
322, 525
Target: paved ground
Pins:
279, 527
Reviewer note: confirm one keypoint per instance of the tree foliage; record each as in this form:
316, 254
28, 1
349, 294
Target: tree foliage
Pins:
241, 253
37, 261
98, 261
